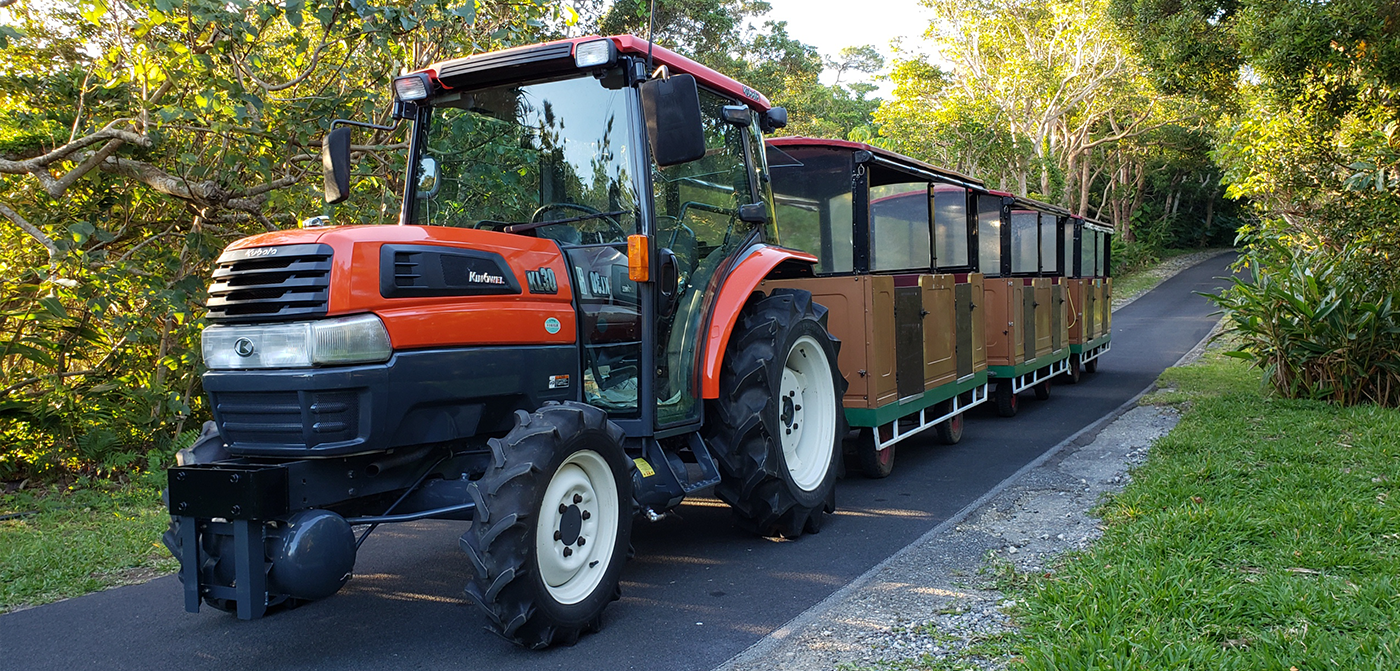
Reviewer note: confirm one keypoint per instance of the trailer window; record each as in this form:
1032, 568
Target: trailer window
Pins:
1067, 232
950, 225
1099, 253
899, 227
812, 194
1086, 251
1025, 247
989, 235
1049, 251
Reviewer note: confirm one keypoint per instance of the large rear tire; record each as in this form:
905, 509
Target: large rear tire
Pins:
552, 525
777, 424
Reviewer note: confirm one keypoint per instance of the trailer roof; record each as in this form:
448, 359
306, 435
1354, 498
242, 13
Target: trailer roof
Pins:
800, 141
626, 44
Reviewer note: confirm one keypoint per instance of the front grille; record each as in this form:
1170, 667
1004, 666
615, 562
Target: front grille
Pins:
288, 418
271, 283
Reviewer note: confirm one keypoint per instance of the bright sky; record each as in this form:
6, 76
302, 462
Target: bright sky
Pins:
831, 25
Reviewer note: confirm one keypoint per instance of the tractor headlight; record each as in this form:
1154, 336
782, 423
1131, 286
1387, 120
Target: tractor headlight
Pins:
357, 339
595, 53
412, 87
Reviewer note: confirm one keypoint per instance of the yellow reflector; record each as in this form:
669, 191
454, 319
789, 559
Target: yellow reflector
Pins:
638, 263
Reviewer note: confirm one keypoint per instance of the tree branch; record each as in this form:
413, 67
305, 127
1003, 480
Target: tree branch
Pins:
31, 229
40, 162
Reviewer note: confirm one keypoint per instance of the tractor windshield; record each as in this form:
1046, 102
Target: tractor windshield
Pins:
520, 154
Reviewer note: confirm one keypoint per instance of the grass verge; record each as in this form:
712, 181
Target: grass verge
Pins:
89, 536
1263, 533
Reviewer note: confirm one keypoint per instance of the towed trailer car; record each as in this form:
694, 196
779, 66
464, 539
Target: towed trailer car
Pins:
1027, 328
896, 269
541, 349
1088, 254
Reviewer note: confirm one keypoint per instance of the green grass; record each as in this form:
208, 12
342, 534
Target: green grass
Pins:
80, 539
1263, 533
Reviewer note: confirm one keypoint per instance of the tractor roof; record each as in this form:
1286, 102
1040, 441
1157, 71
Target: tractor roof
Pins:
548, 58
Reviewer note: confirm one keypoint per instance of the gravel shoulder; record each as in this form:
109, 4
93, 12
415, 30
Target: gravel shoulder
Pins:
935, 604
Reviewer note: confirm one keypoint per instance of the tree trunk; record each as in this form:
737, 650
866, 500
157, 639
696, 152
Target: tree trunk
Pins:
1084, 184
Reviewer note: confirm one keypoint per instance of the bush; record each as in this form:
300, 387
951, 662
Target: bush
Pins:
1321, 321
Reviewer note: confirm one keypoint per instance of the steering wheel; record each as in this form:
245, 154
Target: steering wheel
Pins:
615, 224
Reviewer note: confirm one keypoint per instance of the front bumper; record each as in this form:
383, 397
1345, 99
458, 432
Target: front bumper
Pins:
415, 398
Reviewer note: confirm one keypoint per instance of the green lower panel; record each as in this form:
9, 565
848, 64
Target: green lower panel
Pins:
1029, 366
892, 411
1101, 340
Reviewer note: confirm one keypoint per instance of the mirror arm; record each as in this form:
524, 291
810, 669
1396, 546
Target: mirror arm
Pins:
362, 124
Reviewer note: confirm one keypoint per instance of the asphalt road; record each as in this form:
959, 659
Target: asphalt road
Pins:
698, 591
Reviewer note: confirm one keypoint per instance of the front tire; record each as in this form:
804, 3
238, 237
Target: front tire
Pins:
777, 424
552, 526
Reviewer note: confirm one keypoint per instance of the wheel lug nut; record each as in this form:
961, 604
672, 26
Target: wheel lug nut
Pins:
563, 509
587, 514
581, 539
792, 394
796, 407
578, 498
558, 535
568, 552
789, 432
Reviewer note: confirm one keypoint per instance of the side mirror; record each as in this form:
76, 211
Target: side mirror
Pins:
667, 281
428, 181
335, 164
674, 126
773, 119
754, 213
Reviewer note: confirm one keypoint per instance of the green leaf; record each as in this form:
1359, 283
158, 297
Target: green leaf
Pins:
54, 307
294, 12
467, 12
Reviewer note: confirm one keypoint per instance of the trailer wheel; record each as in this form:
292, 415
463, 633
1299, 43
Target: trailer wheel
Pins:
1091, 366
1074, 373
1007, 405
950, 430
875, 464
778, 421
552, 525
1042, 390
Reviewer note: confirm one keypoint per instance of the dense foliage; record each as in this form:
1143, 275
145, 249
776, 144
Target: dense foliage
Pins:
1051, 99
1308, 100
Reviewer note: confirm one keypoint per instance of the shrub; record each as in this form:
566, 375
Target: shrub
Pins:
1322, 322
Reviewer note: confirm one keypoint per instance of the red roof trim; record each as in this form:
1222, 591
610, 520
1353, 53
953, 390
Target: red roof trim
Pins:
676, 63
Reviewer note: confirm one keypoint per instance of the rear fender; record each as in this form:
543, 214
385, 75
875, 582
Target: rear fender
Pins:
759, 262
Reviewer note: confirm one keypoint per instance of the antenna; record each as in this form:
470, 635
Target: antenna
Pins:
651, 20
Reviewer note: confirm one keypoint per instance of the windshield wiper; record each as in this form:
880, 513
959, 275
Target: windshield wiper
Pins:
521, 228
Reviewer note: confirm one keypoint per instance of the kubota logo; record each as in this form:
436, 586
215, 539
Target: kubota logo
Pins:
244, 347
257, 252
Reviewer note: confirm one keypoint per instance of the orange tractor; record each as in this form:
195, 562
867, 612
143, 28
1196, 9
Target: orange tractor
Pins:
565, 331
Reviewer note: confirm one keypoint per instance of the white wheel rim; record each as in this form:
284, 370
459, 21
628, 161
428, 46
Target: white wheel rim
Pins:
577, 529
807, 413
